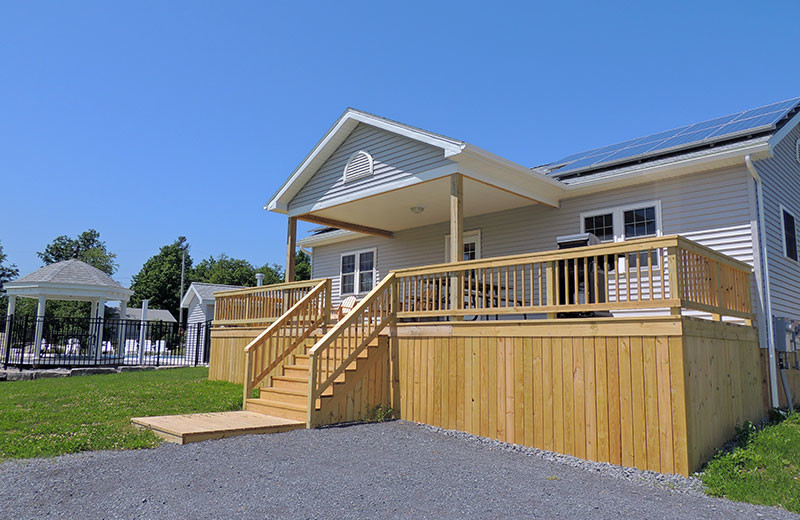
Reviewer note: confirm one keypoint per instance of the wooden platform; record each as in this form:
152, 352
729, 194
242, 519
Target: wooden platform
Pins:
196, 427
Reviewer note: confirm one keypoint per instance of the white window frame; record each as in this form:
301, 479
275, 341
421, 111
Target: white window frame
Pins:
473, 235
618, 216
357, 272
783, 234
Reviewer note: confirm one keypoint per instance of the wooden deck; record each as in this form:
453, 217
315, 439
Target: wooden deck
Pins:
196, 427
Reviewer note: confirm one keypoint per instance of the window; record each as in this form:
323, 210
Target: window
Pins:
624, 222
357, 272
359, 165
789, 234
602, 226
472, 246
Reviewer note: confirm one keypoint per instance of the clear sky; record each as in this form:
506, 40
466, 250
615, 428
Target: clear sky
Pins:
149, 120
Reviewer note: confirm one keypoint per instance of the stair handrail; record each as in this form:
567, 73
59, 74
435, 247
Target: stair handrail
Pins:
265, 353
368, 318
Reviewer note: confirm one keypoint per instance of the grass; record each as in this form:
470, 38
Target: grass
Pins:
48, 417
763, 469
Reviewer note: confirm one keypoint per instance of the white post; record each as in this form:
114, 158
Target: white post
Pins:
12, 307
142, 332
100, 320
121, 329
37, 342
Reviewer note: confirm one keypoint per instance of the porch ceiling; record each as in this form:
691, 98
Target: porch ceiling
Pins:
391, 211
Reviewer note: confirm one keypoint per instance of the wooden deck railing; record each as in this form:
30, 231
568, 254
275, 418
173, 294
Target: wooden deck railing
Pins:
629, 275
340, 347
266, 353
258, 305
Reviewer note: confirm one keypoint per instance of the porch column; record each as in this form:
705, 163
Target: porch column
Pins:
12, 307
37, 342
456, 235
99, 322
291, 246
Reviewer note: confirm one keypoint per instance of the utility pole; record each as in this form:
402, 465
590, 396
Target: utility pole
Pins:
180, 297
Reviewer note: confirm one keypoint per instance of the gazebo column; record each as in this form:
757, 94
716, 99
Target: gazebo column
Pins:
12, 307
122, 328
100, 315
37, 342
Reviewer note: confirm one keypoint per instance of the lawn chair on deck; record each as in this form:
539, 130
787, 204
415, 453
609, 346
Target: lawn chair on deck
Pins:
345, 307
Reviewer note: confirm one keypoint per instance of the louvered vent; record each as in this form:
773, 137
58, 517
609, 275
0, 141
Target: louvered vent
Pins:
359, 165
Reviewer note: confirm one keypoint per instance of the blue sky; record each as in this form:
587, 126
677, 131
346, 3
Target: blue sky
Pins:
149, 120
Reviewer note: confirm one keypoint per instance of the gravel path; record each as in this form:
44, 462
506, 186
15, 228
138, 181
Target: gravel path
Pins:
395, 469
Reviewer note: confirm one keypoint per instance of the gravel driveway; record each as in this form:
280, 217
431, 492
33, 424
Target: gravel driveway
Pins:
395, 469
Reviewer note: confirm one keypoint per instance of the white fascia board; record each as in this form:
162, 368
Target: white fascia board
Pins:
190, 295
778, 136
675, 169
331, 237
494, 170
67, 292
323, 149
442, 171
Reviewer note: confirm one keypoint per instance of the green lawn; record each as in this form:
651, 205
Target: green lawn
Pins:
47, 417
764, 469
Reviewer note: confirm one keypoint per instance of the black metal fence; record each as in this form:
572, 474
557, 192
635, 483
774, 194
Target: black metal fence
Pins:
71, 342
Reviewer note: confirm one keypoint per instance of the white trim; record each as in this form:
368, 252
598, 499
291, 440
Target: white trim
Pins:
618, 221
783, 234
329, 237
473, 235
797, 150
778, 136
357, 272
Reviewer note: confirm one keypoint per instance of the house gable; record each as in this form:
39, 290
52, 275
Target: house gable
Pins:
397, 160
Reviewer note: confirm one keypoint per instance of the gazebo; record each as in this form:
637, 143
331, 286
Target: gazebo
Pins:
68, 280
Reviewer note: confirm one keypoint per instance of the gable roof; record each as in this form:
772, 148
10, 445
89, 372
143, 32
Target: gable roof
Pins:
539, 187
152, 315
204, 292
766, 124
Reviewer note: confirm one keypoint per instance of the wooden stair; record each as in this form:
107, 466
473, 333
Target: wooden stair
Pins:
287, 394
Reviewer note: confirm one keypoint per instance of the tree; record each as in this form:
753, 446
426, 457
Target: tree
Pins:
86, 247
159, 280
302, 266
7, 273
225, 270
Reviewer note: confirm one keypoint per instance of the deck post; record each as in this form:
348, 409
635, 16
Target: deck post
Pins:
291, 247
550, 286
456, 236
674, 279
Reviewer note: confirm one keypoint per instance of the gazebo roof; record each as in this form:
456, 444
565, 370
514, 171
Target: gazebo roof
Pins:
69, 280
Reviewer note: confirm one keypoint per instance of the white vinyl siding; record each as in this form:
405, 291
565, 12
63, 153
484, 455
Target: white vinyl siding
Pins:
712, 207
197, 313
780, 175
395, 158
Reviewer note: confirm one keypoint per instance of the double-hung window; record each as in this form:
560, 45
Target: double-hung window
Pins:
357, 275
789, 224
624, 223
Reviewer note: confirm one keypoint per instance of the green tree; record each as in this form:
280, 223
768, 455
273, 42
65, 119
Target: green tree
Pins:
159, 280
302, 266
86, 247
225, 270
272, 273
7, 273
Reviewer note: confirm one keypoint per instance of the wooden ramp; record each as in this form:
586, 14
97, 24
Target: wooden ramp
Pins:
196, 427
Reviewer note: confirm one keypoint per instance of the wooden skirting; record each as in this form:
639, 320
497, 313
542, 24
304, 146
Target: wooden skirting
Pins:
654, 400
226, 362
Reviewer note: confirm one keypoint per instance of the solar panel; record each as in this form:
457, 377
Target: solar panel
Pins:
742, 123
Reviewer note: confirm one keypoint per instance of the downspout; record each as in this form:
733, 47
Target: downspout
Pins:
763, 288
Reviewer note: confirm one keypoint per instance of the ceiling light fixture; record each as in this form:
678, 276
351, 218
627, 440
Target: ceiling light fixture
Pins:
416, 210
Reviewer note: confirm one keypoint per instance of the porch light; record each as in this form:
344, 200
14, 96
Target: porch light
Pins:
416, 210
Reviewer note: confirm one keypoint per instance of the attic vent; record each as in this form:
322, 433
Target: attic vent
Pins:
360, 165
797, 150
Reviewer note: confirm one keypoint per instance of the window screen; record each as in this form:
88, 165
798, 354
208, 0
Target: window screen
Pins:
789, 235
